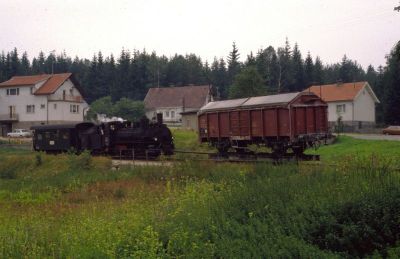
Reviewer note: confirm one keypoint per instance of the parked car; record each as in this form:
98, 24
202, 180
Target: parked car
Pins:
391, 130
19, 133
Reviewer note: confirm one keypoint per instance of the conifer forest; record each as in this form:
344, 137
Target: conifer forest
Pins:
266, 71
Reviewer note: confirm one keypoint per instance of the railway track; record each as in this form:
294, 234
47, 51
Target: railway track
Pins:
233, 157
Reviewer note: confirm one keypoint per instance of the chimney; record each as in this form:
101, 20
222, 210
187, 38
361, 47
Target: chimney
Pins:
160, 118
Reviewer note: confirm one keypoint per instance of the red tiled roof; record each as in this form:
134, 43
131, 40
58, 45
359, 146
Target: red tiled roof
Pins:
53, 83
24, 80
190, 96
337, 92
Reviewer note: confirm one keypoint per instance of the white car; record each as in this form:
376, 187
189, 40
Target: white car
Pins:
21, 133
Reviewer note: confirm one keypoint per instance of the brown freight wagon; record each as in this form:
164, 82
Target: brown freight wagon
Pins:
283, 121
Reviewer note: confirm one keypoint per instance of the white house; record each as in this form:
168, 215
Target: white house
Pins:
173, 102
40, 99
354, 103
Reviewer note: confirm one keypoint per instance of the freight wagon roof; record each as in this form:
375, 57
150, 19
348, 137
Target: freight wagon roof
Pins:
268, 100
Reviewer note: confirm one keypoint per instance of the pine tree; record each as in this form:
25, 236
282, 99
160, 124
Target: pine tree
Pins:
318, 74
233, 63
219, 78
3, 68
25, 65
392, 91
121, 87
285, 72
308, 71
109, 73
345, 70
15, 63
90, 81
298, 70
63, 63
251, 60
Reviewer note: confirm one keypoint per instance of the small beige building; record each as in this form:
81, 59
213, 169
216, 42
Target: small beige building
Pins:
354, 103
179, 105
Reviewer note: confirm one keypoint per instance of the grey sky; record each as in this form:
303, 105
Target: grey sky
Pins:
364, 30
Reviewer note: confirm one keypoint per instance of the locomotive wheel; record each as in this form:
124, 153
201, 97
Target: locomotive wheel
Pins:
167, 149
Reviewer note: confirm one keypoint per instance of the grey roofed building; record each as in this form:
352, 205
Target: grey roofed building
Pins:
172, 101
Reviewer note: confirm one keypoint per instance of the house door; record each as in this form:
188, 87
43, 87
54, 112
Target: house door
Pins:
4, 129
11, 110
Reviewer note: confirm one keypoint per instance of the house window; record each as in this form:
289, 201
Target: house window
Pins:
42, 106
71, 91
172, 114
167, 114
13, 91
55, 106
341, 108
74, 108
30, 108
32, 90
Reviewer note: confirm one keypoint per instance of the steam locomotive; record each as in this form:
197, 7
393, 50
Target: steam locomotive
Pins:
142, 139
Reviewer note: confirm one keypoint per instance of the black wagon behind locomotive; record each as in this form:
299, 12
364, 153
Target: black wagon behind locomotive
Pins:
139, 139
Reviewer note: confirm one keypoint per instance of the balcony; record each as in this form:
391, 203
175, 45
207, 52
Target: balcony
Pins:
8, 117
68, 98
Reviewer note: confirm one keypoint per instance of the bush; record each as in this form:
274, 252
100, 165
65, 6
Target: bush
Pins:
145, 244
360, 227
81, 161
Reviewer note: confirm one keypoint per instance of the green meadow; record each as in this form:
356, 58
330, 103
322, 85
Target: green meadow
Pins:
69, 206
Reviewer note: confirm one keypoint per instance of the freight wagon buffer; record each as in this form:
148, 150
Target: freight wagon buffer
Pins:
285, 121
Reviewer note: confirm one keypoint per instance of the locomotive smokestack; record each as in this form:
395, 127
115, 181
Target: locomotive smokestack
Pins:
160, 118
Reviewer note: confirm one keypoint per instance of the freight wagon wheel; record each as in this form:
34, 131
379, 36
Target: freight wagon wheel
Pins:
299, 150
223, 147
279, 150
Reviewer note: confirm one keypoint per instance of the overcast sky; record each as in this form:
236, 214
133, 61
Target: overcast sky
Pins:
364, 30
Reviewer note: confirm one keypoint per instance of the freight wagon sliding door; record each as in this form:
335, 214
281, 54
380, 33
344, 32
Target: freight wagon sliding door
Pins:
310, 119
276, 122
271, 122
224, 124
284, 122
244, 123
300, 121
213, 125
256, 123
234, 123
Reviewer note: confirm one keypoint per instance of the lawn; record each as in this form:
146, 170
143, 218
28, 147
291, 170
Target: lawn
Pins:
69, 206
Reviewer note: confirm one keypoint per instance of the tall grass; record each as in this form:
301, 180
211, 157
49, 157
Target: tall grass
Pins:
56, 209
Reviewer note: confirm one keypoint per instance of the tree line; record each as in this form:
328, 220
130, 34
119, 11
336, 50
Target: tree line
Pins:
268, 71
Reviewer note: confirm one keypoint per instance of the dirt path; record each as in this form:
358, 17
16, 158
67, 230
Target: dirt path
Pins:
373, 136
